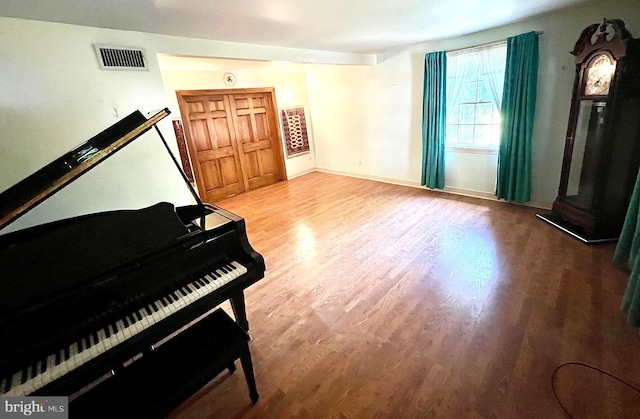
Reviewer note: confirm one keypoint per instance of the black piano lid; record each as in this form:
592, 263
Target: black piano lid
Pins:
26, 194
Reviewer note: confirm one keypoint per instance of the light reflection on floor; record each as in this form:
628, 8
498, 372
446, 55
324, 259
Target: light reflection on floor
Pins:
305, 246
465, 267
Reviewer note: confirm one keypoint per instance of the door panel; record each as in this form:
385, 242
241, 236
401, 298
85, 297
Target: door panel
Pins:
210, 136
257, 136
233, 138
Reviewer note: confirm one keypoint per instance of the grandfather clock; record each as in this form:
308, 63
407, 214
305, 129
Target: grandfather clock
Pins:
602, 147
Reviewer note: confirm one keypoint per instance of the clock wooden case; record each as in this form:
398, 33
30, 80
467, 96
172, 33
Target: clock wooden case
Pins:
602, 147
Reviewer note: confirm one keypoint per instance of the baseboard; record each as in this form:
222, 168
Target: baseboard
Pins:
447, 189
368, 177
306, 172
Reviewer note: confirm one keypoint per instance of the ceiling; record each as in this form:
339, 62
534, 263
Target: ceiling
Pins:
353, 26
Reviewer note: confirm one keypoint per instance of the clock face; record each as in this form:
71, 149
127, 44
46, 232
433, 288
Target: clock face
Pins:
599, 76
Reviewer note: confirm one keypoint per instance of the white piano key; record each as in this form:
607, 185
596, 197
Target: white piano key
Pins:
51, 363
73, 355
16, 380
144, 319
37, 380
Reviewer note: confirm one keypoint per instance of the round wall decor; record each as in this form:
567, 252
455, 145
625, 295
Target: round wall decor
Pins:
229, 79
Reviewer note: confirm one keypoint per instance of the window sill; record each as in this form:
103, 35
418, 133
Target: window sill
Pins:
473, 150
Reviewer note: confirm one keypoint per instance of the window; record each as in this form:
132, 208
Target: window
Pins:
474, 92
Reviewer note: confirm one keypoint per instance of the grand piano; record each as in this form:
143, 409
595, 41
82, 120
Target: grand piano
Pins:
81, 297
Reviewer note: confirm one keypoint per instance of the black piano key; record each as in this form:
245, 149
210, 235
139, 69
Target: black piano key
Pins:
43, 369
125, 320
5, 384
163, 301
216, 275
107, 331
223, 269
196, 284
205, 280
32, 371
87, 342
96, 339
103, 320
25, 376
80, 345
137, 316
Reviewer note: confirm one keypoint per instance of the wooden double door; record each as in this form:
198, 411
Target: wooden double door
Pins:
233, 139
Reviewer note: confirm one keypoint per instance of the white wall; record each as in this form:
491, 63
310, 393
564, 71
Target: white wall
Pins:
53, 97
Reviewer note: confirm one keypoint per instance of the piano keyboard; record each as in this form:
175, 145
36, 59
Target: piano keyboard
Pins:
66, 360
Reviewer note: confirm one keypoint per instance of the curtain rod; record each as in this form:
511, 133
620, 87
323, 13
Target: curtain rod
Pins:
487, 44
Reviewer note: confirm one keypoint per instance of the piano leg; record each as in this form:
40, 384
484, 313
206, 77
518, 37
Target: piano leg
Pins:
247, 367
239, 310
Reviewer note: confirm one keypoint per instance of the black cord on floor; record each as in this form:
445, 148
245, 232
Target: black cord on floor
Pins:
553, 381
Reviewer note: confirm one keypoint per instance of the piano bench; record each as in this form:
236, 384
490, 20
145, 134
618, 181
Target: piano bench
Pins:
157, 383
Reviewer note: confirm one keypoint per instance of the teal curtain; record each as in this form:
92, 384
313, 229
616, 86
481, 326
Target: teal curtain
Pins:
434, 119
516, 118
626, 256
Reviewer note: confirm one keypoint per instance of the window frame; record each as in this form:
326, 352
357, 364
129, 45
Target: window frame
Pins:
475, 148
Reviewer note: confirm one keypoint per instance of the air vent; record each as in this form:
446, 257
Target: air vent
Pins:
120, 58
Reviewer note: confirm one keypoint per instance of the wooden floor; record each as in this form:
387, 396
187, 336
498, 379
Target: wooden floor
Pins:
387, 301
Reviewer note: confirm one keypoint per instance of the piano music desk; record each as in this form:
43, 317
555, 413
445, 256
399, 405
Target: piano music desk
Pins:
160, 381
